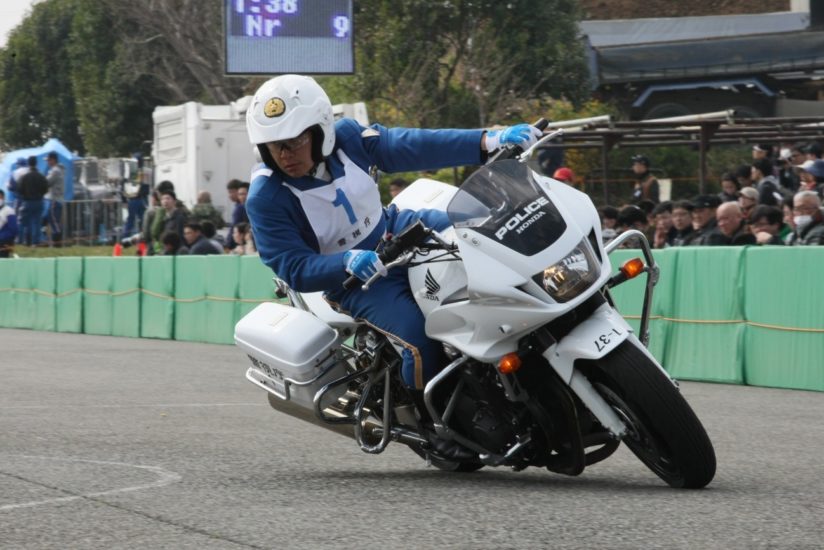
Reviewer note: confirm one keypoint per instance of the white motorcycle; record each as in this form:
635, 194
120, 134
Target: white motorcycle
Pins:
543, 371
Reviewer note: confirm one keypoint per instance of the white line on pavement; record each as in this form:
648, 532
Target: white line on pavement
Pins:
165, 478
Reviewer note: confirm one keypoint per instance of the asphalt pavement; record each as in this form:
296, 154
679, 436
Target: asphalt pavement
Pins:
124, 443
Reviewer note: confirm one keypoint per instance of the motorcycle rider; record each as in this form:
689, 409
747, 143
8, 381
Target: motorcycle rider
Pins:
316, 214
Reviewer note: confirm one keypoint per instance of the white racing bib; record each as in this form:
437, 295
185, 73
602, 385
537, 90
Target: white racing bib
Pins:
343, 212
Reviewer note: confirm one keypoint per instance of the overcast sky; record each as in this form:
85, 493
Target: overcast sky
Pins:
12, 13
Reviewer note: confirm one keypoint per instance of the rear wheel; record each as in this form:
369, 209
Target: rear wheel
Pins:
662, 429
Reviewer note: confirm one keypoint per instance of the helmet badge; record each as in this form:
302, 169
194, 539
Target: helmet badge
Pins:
274, 107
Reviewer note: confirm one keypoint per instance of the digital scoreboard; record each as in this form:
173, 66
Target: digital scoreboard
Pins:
288, 36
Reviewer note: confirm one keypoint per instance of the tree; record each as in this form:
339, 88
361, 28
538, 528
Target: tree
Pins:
464, 62
177, 45
114, 105
36, 99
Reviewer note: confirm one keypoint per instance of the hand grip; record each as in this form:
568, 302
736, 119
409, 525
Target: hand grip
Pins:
513, 152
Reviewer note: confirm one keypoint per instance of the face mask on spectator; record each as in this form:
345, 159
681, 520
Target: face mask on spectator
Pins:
802, 221
2, 202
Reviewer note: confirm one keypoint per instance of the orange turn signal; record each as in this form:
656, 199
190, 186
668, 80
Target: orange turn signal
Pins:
509, 363
633, 268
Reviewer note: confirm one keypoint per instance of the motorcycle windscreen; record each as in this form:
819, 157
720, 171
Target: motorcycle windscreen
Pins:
503, 201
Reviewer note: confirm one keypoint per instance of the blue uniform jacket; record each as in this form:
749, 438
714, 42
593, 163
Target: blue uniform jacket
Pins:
283, 235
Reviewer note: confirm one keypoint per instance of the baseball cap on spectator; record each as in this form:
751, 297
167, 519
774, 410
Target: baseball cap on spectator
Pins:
564, 174
813, 148
814, 167
706, 201
641, 159
749, 192
762, 147
21, 161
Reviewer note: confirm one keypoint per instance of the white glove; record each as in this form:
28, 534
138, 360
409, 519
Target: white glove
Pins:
523, 135
363, 264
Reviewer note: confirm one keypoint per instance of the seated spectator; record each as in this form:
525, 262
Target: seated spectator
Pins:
765, 182
169, 218
631, 217
665, 232
648, 206
8, 227
733, 225
239, 213
747, 200
797, 155
762, 151
609, 222
767, 224
173, 244
682, 223
565, 175
786, 172
197, 242
729, 188
242, 235
787, 210
812, 150
205, 211
743, 175
809, 229
210, 233
704, 222
396, 186
811, 176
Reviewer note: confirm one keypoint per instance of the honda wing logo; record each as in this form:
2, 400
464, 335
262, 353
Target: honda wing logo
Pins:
432, 287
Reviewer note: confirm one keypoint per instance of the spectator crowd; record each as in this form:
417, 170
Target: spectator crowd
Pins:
170, 228
774, 199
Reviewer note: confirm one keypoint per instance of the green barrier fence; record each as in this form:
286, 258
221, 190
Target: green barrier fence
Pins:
725, 314
157, 306
69, 299
111, 302
784, 307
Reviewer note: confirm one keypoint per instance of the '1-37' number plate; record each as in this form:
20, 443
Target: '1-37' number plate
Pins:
603, 341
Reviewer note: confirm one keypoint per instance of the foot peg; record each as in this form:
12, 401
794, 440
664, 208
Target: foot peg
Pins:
452, 450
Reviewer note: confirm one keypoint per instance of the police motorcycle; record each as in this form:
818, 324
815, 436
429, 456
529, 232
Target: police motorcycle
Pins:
542, 369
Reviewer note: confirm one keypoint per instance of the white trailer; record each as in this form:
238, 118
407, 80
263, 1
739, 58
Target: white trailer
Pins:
201, 147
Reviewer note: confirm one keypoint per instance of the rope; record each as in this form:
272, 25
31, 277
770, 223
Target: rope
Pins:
211, 298
142, 291
728, 322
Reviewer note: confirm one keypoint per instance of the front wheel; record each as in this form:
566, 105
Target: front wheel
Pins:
662, 429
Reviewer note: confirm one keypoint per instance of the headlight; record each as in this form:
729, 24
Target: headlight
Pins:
568, 278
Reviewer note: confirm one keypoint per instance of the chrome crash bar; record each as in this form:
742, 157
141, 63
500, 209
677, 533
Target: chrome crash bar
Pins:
652, 270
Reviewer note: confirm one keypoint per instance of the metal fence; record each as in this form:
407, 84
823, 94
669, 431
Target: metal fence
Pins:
92, 222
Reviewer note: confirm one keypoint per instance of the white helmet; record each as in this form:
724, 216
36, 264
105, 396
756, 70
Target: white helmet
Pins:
285, 106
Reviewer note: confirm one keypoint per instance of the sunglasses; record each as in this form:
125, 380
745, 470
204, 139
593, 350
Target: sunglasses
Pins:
290, 145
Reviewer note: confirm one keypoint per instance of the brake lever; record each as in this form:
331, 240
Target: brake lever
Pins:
523, 157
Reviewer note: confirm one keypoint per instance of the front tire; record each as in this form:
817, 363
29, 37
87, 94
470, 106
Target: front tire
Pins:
663, 431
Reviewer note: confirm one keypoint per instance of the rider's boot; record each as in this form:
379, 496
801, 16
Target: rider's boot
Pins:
447, 448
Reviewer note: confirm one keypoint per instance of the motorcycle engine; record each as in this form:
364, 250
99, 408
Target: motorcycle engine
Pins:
483, 415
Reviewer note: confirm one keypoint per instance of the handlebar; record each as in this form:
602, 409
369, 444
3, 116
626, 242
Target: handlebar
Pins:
513, 152
417, 233
410, 237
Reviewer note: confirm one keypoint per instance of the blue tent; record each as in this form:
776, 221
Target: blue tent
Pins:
64, 156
